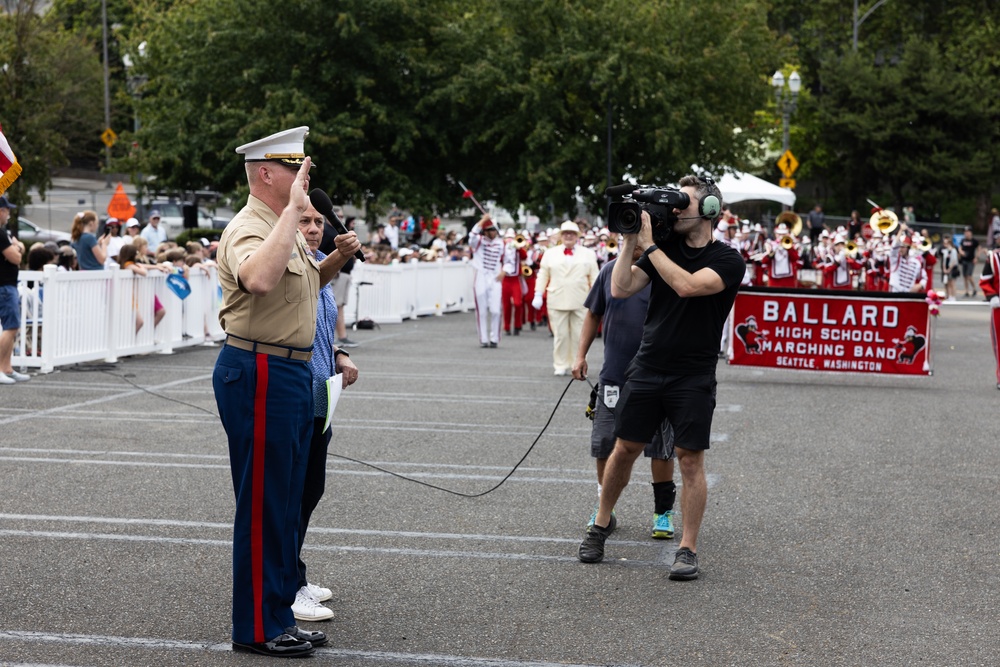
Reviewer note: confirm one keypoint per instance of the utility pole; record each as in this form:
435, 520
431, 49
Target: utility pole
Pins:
107, 93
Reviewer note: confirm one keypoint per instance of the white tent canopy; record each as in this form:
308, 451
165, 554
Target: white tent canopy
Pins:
737, 187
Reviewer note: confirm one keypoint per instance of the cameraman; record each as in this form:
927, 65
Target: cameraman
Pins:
694, 283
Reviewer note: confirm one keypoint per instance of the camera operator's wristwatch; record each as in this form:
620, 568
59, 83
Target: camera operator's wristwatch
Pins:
340, 351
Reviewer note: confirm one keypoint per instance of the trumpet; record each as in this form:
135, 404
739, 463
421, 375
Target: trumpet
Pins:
851, 249
520, 241
924, 245
611, 245
526, 272
791, 219
787, 241
884, 221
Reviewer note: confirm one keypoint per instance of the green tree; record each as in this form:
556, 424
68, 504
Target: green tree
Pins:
539, 83
50, 94
907, 117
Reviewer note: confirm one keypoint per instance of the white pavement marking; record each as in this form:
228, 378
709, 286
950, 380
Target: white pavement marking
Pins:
394, 551
182, 645
97, 401
388, 534
330, 471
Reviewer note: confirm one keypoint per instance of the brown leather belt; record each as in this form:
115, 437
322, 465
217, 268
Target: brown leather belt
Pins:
264, 348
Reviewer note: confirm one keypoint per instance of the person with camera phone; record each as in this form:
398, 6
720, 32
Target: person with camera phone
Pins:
694, 281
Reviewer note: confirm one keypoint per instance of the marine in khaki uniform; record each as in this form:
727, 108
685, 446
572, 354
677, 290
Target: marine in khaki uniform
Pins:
262, 380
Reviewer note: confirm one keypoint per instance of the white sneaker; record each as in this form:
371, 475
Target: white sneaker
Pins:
308, 608
19, 377
6, 379
321, 594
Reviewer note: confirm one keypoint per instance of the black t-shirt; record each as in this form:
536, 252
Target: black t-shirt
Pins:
8, 271
967, 249
682, 336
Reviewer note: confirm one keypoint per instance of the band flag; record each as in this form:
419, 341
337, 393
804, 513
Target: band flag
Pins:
9, 168
829, 330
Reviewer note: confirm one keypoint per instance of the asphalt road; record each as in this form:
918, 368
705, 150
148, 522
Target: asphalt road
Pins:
852, 519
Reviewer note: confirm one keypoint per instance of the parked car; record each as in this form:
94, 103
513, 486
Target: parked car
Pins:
172, 217
28, 232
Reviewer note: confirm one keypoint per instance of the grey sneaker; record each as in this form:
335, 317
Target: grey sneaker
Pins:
346, 342
592, 547
685, 565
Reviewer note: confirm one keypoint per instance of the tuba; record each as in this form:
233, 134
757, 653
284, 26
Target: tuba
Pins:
925, 245
884, 221
792, 219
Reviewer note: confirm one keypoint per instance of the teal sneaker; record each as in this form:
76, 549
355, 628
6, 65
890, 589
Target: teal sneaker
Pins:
593, 516
663, 526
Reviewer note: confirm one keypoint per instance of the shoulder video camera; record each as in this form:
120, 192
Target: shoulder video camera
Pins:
629, 201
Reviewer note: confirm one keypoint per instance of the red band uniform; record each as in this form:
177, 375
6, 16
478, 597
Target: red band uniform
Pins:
989, 281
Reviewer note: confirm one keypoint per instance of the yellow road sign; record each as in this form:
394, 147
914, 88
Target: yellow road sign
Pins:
788, 164
787, 183
109, 137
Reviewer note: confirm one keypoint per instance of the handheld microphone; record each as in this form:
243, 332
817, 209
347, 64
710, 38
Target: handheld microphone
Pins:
620, 190
321, 201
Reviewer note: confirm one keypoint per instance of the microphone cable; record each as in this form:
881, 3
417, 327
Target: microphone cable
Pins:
482, 493
103, 368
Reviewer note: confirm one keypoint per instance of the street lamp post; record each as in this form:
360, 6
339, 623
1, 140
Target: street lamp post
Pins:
135, 83
786, 100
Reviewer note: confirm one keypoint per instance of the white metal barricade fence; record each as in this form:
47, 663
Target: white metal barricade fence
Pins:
70, 317
391, 293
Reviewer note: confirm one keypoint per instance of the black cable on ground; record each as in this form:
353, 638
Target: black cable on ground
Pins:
103, 369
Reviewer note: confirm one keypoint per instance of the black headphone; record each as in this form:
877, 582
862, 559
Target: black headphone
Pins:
710, 206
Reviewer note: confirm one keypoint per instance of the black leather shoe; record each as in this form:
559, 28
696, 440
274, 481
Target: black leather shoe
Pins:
282, 646
315, 638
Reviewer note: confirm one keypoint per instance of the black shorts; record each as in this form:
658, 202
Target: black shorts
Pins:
968, 268
649, 398
602, 437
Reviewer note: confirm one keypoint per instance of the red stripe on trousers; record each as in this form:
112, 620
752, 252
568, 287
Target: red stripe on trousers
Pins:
257, 498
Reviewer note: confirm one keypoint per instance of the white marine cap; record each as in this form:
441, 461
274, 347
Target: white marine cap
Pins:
509, 234
287, 147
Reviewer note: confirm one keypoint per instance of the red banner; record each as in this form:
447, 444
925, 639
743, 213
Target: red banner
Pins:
826, 330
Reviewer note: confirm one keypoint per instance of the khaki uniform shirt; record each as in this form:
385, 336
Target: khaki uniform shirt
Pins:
287, 315
566, 278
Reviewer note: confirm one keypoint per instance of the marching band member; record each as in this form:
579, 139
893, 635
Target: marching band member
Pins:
990, 284
928, 257
906, 269
529, 269
512, 290
782, 264
487, 255
877, 265
840, 266
754, 248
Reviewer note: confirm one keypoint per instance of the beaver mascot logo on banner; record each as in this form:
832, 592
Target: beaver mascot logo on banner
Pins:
910, 346
749, 336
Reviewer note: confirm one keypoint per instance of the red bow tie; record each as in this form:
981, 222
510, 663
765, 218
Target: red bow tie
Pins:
567, 251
